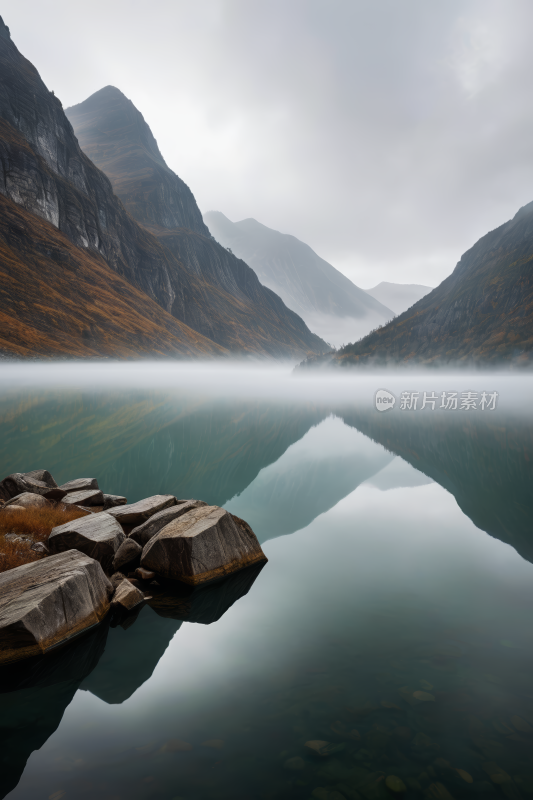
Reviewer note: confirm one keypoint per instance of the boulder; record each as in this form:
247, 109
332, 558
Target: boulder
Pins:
135, 513
204, 544
89, 497
117, 578
80, 485
41, 475
19, 482
29, 500
128, 556
98, 536
48, 602
112, 500
143, 533
127, 595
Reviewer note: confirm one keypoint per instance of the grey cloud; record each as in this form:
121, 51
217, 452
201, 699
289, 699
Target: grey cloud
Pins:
388, 135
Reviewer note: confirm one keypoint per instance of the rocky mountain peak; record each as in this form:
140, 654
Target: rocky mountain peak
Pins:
4, 30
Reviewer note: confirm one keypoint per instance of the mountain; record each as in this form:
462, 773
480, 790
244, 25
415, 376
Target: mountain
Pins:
398, 296
59, 300
482, 313
325, 298
247, 316
49, 178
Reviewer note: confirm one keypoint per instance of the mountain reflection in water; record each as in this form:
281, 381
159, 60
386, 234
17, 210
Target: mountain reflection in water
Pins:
378, 586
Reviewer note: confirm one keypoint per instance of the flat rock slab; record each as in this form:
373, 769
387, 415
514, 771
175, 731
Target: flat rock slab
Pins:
98, 536
127, 595
48, 602
143, 533
29, 500
205, 544
80, 485
89, 497
112, 500
135, 513
20, 482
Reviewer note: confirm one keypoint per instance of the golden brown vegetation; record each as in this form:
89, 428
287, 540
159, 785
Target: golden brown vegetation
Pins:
31, 525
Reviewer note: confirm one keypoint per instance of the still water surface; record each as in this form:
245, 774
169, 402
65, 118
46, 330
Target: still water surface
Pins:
393, 619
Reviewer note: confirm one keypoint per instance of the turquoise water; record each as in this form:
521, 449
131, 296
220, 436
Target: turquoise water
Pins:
393, 620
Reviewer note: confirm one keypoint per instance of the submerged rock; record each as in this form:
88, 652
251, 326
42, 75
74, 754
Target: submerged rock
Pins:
48, 602
113, 500
204, 544
143, 533
28, 500
98, 536
80, 485
135, 513
88, 497
395, 784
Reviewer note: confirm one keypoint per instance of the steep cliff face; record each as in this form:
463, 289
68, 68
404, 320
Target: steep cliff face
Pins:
44, 170
114, 134
126, 150
59, 301
482, 313
325, 298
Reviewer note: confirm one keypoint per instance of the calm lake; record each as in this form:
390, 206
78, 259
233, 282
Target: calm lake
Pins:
392, 624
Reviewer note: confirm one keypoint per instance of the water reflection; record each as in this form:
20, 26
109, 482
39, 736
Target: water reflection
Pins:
385, 623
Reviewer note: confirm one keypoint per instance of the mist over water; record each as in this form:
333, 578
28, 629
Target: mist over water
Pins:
400, 558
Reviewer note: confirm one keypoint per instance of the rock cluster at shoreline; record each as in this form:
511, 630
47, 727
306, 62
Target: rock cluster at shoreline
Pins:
110, 560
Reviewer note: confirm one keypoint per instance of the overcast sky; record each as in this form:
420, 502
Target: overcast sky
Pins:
387, 134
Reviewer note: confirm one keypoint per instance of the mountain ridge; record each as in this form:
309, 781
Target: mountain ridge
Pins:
480, 314
45, 172
313, 288
115, 135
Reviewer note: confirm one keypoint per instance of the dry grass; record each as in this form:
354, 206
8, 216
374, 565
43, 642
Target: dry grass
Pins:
35, 524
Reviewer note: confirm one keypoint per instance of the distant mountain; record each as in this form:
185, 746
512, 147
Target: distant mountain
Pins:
235, 310
398, 296
325, 298
481, 314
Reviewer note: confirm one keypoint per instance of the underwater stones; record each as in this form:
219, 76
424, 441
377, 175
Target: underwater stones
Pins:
48, 602
423, 697
127, 595
128, 555
135, 513
437, 791
88, 497
395, 784
204, 544
20, 482
143, 533
80, 485
323, 749
113, 500
28, 500
98, 536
